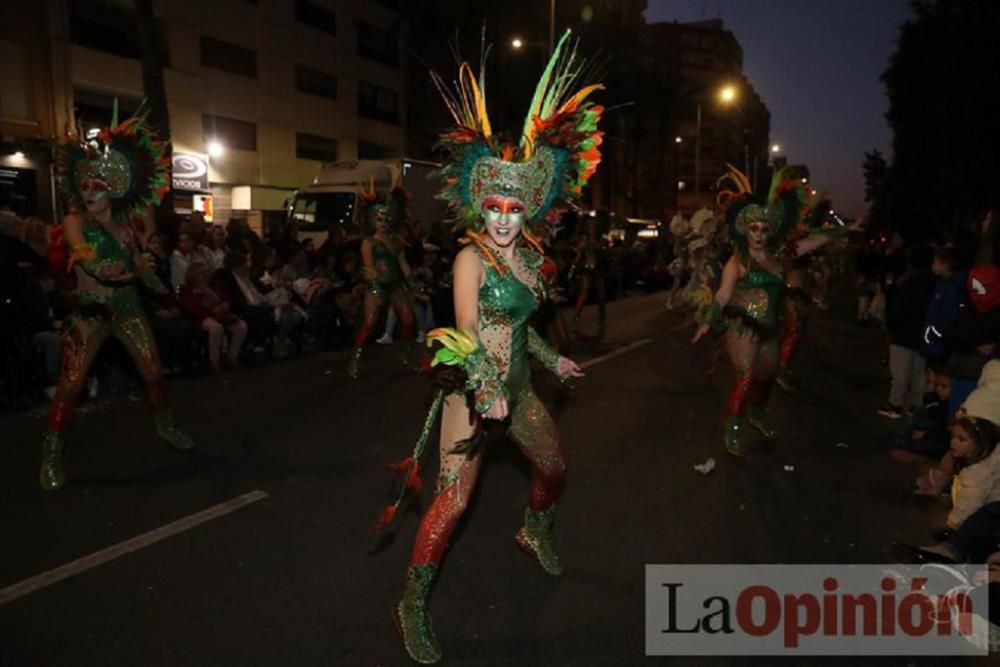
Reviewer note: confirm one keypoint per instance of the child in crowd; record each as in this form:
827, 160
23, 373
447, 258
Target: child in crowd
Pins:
925, 437
977, 467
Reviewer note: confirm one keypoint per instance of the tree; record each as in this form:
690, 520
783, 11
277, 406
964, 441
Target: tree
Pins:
946, 139
876, 171
154, 88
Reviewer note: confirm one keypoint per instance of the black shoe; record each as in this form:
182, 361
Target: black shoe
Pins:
906, 553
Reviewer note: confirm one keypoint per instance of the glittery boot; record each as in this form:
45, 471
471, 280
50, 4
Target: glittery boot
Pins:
413, 622
735, 435
53, 476
536, 538
167, 429
354, 366
757, 416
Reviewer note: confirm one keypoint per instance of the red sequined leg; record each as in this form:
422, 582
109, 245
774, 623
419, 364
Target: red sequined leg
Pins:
446, 509
535, 433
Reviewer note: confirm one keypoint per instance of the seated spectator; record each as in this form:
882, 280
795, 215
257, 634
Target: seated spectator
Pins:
977, 467
977, 539
215, 247
158, 257
925, 437
187, 252
173, 332
972, 336
236, 287
212, 314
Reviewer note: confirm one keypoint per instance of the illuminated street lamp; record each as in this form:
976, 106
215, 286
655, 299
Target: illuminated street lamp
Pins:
726, 95
775, 148
516, 43
678, 140
215, 149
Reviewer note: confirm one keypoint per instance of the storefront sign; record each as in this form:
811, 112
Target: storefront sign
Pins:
190, 171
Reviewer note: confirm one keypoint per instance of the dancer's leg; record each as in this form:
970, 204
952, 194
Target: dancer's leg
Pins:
742, 350
80, 344
456, 481
535, 433
134, 333
764, 372
372, 309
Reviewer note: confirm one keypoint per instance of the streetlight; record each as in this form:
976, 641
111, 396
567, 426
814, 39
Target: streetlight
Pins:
215, 149
678, 140
775, 148
726, 95
516, 43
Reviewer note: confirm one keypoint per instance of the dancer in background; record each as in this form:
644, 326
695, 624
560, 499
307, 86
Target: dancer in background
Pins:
385, 268
116, 177
591, 265
502, 193
748, 306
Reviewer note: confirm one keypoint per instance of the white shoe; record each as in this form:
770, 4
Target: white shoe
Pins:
386, 339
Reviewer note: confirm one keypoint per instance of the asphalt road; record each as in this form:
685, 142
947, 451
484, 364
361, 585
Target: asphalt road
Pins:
294, 578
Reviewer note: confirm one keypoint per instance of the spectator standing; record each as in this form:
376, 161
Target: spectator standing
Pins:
213, 315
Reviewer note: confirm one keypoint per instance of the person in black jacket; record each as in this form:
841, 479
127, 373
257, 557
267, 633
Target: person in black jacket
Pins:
905, 324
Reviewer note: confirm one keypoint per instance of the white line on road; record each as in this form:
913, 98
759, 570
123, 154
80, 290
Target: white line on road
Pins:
45, 579
619, 351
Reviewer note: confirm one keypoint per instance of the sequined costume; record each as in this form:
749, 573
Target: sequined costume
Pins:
386, 277
475, 369
123, 162
749, 308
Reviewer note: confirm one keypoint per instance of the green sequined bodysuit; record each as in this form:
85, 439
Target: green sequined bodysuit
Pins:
123, 297
757, 299
387, 269
507, 303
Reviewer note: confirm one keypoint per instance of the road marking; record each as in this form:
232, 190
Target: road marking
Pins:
615, 353
46, 579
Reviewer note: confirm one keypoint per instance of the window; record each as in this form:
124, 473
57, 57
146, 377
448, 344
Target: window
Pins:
391, 4
318, 211
15, 82
313, 147
370, 151
228, 57
231, 133
378, 102
378, 44
316, 17
108, 27
315, 82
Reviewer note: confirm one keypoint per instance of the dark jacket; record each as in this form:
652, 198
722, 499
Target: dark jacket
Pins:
905, 316
949, 295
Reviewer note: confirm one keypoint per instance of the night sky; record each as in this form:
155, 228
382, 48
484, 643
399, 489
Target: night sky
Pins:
816, 64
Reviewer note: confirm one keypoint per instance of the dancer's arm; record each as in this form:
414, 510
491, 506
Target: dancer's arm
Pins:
481, 367
368, 270
713, 311
562, 367
817, 240
84, 254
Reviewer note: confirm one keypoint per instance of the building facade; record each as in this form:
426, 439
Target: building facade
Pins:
260, 93
690, 133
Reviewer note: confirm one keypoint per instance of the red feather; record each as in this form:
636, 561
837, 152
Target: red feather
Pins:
413, 482
384, 518
401, 466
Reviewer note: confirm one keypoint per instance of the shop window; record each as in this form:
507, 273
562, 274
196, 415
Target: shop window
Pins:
317, 17
378, 103
378, 44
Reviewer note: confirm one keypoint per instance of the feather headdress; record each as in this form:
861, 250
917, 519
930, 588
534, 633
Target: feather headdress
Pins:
781, 210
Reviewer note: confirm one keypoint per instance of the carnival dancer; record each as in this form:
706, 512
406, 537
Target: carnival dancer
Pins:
796, 302
386, 271
748, 305
680, 230
117, 177
503, 194
591, 265
703, 252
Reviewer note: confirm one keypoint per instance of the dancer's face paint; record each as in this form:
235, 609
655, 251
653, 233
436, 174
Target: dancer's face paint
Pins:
504, 218
757, 235
96, 197
383, 224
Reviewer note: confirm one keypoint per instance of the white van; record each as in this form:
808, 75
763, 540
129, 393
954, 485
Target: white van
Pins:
332, 197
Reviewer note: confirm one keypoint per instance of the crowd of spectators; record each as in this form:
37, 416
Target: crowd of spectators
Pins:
240, 298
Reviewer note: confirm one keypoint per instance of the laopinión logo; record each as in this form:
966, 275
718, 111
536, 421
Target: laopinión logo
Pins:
816, 610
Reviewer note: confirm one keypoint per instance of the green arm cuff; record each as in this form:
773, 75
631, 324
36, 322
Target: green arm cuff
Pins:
710, 314
484, 378
541, 350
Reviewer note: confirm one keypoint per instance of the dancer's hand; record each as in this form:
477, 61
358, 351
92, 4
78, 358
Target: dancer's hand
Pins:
567, 368
702, 330
498, 410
